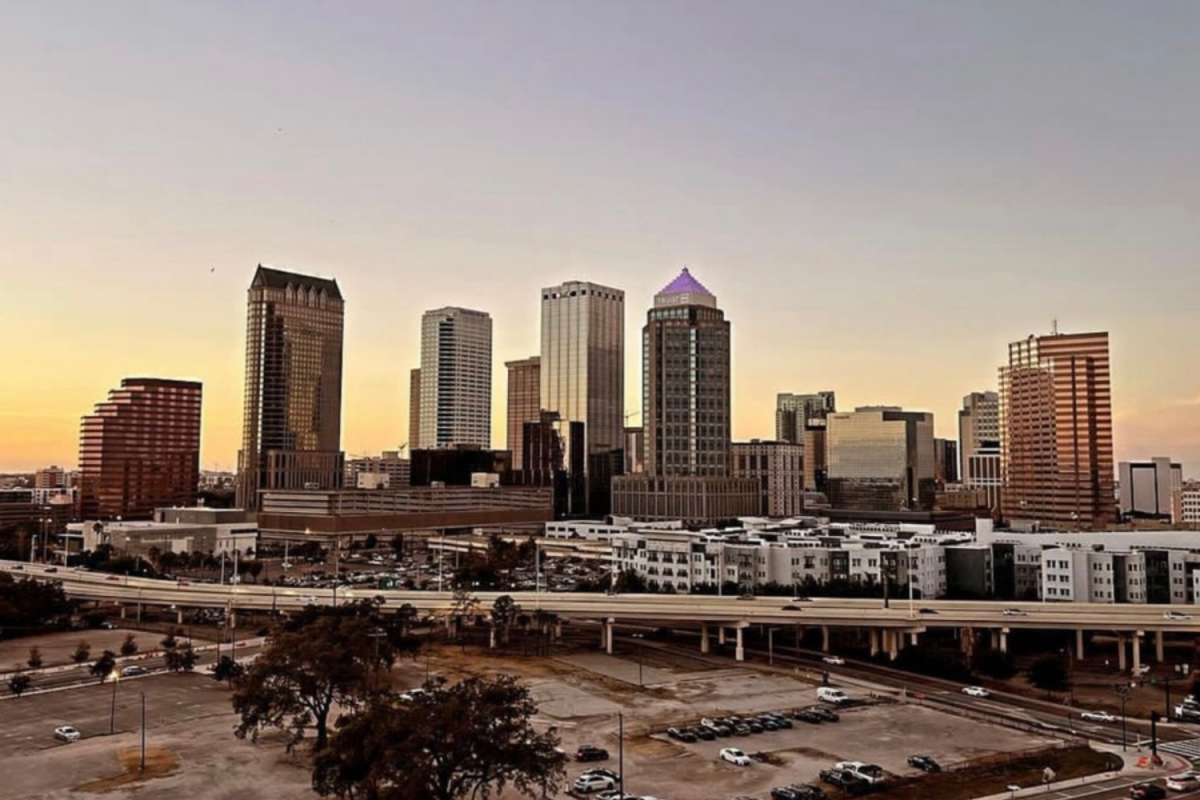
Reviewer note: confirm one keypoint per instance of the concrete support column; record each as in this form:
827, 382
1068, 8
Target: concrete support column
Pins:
1137, 652
1004, 640
704, 638
824, 638
608, 636
1121, 652
720, 634
558, 629
893, 644
179, 616
966, 642
492, 637
739, 654
1079, 644
873, 636
1158, 646
912, 638
122, 612
995, 638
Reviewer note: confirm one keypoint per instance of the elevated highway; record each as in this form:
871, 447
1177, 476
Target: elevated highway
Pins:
888, 627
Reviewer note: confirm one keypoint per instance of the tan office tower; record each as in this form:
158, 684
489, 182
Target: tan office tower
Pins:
292, 427
414, 409
1056, 431
583, 381
456, 378
140, 450
793, 413
979, 444
524, 404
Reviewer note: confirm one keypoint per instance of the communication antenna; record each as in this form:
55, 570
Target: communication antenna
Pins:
1054, 327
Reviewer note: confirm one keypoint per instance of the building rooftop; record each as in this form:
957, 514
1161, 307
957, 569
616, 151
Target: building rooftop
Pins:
272, 278
685, 283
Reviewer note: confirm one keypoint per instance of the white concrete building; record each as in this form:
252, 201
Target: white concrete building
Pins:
456, 378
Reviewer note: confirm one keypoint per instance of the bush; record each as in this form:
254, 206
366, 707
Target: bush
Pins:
1050, 673
82, 651
35, 658
129, 646
995, 664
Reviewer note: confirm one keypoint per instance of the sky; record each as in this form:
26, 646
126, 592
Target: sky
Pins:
882, 195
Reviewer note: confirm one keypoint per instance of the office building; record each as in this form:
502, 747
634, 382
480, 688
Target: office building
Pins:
881, 458
816, 456
1056, 432
414, 409
1185, 504
778, 468
686, 412
292, 426
635, 450
50, 478
140, 449
793, 412
583, 381
945, 454
524, 403
1145, 488
979, 444
386, 471
456, 378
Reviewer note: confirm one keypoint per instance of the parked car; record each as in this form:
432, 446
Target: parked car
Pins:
616, 794
717, 728
681, 734
976, 691
66, 733
754, 725
133, 669
1147, 791
1183, 782
701, 732
826, 713
780, 719
412, 694
586, 784
734, 756
1172, 615
828, 694
1014, 612
808, 715
608, 773
835, 660
843, 779
924, 763
741, 729
1098, 716
868, 773
589, 752
797, 791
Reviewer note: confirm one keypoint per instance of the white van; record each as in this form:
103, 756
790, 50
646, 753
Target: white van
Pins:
828, 694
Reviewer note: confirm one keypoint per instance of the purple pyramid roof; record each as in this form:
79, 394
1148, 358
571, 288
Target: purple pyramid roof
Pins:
685, 284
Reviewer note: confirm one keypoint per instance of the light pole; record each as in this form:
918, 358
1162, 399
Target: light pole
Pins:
537, 574
142, 768
112, 717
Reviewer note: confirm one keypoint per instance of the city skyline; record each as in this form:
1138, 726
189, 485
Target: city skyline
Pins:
875, 190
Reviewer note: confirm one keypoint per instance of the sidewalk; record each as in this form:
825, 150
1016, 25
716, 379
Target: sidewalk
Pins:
1131, 772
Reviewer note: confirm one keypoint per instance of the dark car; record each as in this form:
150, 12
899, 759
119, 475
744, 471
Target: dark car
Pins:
826, 714
924, 763
789, 607
780, 720
681, 734
808, 715
767, 723
926, 611
797, 791
51, 569
844, 779
754, 725
1147, 791
700, 732
589, 753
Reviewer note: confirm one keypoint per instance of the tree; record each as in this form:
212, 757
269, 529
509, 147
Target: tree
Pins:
464, 605
255, 569
129, 646
35, 658
504, 613
82, 651
405, 614
30, 605
19, 683
995, 664
469, 740
321, 658
228, 669
104, 666
372, 541
170, 642
631, 581
181, 659
1050, 673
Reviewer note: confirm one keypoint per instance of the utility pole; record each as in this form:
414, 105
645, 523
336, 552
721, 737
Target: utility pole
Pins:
621, 753
1122, 691
142, 768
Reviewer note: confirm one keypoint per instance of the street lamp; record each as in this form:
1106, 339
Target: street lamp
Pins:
537, 574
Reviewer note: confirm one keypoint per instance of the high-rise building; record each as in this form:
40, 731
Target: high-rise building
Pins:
583, 380
50, 478
292, 426
456, 378
686, 413
816, 456
1056, 431
881, 458
524, 403
1145, 487
793, 412
778, 468
635, 450
414, 409
140, 450
979, 445
945, 453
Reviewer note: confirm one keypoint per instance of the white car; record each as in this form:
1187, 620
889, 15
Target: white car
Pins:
412, 694
586, 784
835, 660
1013, 612
66, 733
1176, 615
734, 756
1183, 782
868, 773
1098, 716
976, 691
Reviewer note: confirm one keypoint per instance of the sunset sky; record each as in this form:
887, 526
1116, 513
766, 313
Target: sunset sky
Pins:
881, 194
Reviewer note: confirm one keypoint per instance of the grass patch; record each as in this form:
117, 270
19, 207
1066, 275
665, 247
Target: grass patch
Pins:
984, 779
160, 762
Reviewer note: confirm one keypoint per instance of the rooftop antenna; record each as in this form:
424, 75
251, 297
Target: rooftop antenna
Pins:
1054, 327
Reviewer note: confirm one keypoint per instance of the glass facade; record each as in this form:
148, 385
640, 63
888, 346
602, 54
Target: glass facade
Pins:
291, 431
881, 459
456, 378
524, 403
140, 450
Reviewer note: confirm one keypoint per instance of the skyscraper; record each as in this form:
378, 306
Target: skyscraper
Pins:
583, 380
456, 378
140, 450
524, 404
793, 412
292, 426
414, 409
686, 412
979, 444
1056, 431
881, 458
